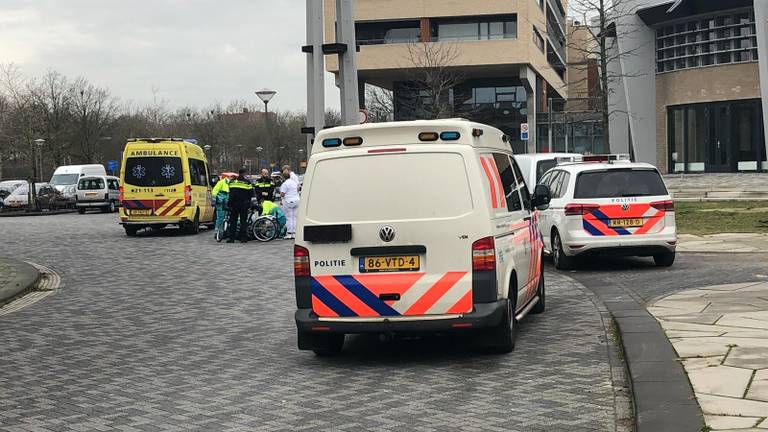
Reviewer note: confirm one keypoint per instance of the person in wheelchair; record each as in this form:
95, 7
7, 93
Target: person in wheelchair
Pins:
269, 208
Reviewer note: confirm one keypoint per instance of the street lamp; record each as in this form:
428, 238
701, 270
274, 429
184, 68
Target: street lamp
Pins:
207, 149
301, 156
258, 154
39, 160
266, 96
240, 152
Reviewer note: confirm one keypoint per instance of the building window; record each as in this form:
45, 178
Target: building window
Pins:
475, 28
389, 32
716, 40
538, 40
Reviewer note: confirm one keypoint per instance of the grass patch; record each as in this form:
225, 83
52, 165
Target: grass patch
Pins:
714, 217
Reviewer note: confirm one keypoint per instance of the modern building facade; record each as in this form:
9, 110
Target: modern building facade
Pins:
694, 85
510, 55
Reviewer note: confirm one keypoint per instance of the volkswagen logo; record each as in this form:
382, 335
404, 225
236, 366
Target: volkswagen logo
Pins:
387, 233
625, 207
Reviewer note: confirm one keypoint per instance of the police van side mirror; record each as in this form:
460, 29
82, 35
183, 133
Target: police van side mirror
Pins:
541, 197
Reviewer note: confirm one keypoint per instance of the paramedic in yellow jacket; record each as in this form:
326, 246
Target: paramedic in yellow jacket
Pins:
221, 201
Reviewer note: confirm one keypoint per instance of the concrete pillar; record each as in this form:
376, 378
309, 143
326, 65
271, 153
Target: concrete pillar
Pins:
761, 23
528, 78
315, 71
345, 34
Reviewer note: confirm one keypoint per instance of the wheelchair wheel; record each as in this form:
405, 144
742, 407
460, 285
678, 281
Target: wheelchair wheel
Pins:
264, 229
222, 233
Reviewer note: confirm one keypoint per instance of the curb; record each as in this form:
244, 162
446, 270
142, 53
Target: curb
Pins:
20, 213
27, 276
662, 394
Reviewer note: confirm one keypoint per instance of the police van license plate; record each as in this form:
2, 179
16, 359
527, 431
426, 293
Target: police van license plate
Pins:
389, 264
626, 223
141, 212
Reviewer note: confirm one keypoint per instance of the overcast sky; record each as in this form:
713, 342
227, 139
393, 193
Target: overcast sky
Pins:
195, 52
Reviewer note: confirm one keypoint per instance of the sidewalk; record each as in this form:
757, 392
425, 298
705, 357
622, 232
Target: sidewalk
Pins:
718, 186
15, 278
725, 242
720, 334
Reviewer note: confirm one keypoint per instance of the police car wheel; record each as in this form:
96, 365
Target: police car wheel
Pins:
328, 345
665, 259
540, 292
561, 260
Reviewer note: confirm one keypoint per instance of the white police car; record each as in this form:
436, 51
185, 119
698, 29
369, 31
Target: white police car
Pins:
621, 208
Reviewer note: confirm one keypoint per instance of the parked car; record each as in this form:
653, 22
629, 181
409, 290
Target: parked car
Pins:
47, 195
65, 179
617, 209
7, 187
100, 192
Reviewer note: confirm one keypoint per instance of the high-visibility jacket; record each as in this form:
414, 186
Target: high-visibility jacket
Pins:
265, 188
222, 186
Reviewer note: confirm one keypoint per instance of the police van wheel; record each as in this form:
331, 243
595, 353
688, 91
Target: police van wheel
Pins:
665, 259
540, 292
328, 345
504, 335
561, 260
130, 231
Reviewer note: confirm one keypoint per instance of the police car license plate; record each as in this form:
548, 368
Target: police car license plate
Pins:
389, 264
625, 223
141, 212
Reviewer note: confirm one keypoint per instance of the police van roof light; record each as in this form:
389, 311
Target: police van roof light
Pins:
477, 133
450, 136
353, 141
428, 136
331, 142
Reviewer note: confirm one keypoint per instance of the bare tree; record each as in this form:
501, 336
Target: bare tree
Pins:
94, 111
606, 21
431, 75
53, 98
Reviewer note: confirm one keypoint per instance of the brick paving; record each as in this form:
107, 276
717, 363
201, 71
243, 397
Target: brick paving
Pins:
172, 332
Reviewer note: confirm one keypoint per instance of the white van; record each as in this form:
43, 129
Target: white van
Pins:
422, 226
100, 192
65, 178
534, 165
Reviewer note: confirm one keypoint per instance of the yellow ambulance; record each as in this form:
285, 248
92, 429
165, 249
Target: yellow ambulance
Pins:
164, 181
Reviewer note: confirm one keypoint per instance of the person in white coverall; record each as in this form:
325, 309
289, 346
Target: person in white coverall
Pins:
289, 190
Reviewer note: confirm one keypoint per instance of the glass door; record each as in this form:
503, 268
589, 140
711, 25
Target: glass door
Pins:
719, 144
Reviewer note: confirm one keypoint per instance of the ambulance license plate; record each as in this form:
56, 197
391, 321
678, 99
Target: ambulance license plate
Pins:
389, 264
141, 212
625, 223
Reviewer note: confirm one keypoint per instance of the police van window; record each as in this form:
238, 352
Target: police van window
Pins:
617, 183
507, 174
524, 193
153, 171
197, 174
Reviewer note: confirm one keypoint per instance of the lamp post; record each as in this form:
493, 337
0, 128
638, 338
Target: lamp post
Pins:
301, 156
266, 96
258, 155
207, 149
240, 154
39, 160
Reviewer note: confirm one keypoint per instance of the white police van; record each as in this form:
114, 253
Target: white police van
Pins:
613, 207
452, 246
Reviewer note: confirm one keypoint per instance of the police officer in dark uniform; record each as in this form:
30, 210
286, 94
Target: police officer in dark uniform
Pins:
265, 187
240, 194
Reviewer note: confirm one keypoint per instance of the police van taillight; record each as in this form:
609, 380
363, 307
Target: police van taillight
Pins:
188, 195
300, 261
484, 254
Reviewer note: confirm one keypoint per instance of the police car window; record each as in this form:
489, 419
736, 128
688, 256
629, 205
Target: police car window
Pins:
197, 173
557, 184
507, 174
153, 171
618, 183
546, 179
562, 188
543, 166
524, 193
